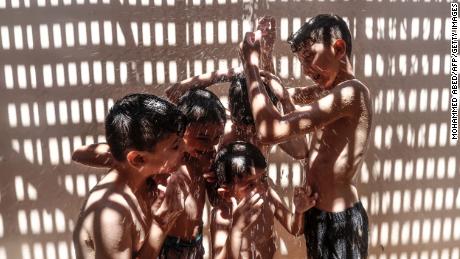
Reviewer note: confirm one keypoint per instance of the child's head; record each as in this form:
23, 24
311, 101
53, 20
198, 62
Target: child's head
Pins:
146, 131
240, 108
240, 169
322, 44
206, 117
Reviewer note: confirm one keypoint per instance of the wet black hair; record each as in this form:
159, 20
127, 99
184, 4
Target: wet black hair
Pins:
202, 106
139, 121
322, 29
238, 101
235, 161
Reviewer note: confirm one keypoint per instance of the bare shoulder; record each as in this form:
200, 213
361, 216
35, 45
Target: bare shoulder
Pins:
354, 88
109, 204
106, 215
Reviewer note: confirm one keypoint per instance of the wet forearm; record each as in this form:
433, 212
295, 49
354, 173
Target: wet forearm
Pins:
234, 244
175, 91
297, 222
264, 112
154, 243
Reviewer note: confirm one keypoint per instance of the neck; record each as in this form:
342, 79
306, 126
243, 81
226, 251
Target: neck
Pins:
345, 73
133, 178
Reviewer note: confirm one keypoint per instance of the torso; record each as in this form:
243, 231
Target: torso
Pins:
336, 154
189, 223
259, 241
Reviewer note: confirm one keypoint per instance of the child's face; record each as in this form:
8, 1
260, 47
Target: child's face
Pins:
319, 63
200, 138
256, 182
166, 156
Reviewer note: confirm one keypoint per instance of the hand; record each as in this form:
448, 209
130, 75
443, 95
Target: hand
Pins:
250, 48
170, 201
304, 199
267, 25
245, 213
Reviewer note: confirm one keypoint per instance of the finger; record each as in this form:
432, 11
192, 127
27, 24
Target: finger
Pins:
254, 198
162, 188
258, 204
255, 214
249, 37
257, 36
297, 190
308, 190
234, 204
272, 23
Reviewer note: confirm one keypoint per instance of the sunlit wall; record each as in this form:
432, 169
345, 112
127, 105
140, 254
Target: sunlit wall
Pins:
64, 62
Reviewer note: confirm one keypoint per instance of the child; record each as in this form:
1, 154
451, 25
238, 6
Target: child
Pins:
206, 117
125, 215
242, 226
340, 123
243, 127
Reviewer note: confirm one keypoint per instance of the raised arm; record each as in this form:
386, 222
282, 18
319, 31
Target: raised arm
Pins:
273, 127
175, 91
296, 147
167, 207
95, 155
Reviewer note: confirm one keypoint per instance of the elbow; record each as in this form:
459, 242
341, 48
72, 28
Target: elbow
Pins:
266, 139
270, 131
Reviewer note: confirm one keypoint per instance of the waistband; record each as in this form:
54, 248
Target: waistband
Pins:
357, 208
177, 241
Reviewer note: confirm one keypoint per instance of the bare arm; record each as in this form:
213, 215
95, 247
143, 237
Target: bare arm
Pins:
175, 91
96, 155
296, 147
220, 226
166, 208
293, 222
112, 233
272, 127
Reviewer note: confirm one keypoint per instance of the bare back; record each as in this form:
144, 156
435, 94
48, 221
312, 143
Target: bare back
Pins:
111, 211
336, 153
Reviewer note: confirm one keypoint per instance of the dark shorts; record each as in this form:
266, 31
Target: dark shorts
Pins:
176, 248
337, 235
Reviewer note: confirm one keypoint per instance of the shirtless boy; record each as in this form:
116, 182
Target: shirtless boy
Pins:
243, 226
125, 215
339, 123
243, 127
206, 119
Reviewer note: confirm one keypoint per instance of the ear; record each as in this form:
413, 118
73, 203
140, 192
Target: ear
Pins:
135, 159
340, 48
224, 193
